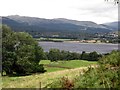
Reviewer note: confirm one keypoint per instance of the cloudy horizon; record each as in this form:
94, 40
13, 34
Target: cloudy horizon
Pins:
97, 11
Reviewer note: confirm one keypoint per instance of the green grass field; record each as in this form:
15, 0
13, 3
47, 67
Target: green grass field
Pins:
70, 64
52, 74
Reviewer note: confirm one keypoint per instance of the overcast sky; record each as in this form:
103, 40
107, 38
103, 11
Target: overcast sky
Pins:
97, 11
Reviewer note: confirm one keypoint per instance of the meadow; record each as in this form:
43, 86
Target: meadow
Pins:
62, 65
53, 73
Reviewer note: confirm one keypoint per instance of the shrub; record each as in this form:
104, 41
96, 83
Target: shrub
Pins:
106, 75
67, 83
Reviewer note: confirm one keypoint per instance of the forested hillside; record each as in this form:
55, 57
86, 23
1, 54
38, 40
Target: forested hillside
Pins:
56, 25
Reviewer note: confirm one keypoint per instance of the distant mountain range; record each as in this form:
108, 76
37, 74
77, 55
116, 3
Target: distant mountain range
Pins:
113, 25
28, 24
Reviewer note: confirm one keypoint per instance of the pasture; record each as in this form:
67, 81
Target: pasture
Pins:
62, 65
52, 74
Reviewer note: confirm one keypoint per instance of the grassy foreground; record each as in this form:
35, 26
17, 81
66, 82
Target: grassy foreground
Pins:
52, 74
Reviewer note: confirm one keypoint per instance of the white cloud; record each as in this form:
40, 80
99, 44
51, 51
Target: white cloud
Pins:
84, 10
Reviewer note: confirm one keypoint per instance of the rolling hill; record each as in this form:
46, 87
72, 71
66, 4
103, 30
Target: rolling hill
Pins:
113, 25
33, 24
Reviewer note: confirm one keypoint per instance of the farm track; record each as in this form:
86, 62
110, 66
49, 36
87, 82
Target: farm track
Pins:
46, 65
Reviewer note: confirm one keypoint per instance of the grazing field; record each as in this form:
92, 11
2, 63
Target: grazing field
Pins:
62, 65
33, 81
52, 74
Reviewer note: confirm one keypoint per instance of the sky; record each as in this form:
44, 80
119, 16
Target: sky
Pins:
97, 11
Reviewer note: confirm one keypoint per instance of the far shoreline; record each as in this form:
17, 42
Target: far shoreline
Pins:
79, 42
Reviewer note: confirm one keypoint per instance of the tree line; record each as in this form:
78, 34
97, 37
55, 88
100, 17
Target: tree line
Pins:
56, 54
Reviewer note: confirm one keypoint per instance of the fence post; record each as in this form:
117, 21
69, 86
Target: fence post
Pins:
40, 86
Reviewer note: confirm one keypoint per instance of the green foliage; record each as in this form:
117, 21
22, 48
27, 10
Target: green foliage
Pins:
38, 68
84, 55
112, 59
105, 75
21, 53
92, 56
65, 55
39, 54
54, 54
8, 54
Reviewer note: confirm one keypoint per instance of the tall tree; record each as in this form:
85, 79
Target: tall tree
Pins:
54, 54
21, 53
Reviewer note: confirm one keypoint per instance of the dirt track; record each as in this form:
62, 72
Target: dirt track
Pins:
46, 65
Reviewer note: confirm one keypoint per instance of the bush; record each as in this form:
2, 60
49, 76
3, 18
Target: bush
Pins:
54, 54
92, 56
106, 75
39, 68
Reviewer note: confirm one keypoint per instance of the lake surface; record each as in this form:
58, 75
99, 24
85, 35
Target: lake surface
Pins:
79, 47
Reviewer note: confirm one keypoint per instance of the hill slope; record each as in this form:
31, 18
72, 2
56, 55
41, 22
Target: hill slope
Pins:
29, 24
113, 25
